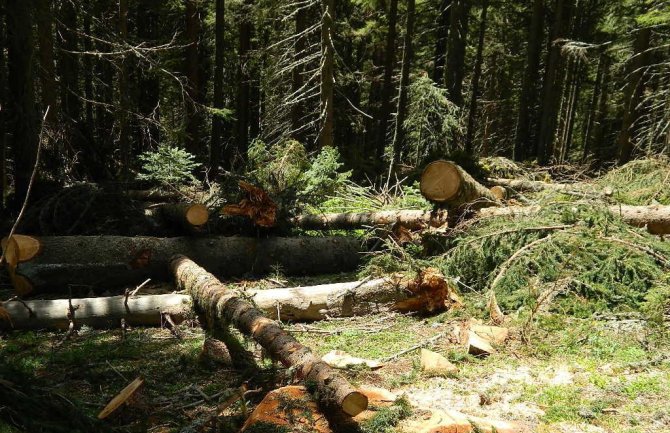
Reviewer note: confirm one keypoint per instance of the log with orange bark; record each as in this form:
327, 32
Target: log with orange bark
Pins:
221, 306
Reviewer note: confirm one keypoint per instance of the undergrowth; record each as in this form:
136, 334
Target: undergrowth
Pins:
640, 182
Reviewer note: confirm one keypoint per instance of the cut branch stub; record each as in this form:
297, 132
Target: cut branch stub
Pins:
446, 183
222, 306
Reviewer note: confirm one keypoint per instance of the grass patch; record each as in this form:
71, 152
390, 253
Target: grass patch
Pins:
386, 419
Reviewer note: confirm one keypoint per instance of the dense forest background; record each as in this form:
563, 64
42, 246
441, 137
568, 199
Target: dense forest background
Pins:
94, 84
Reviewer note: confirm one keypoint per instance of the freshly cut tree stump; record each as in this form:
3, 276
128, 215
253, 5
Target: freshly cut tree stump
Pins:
222, 306
187, 215
26, 247
102, 262
411, 219
96, 312
499, 192
446, 183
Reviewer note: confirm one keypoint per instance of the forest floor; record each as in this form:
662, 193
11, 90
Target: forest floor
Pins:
557, 374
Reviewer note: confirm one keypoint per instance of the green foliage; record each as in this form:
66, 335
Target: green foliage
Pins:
657, 304
387, 418
432, 122
292, 176
640, 182
168, 165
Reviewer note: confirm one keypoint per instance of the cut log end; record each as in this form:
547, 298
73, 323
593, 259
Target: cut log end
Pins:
440, 181
197, 214
354, 403
24, 247
499, 192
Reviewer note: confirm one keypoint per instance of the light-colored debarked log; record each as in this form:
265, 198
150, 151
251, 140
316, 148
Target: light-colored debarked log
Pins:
103, 313
655, 218
577, 189
411, 219
308, 303
186, 215
114, 261
446, 183
222, 306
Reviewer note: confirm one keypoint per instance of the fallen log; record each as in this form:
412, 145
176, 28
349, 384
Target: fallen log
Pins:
655, 218
577, 189
104, 312
411, 219
429, 292
153, 195
103, 262
446, 183
222, 306
186, 215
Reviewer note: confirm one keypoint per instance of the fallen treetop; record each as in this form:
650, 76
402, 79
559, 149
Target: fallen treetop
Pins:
222, 306
102, 262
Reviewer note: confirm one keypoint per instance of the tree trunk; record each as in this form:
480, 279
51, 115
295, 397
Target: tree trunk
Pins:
633, 93
106, 312
223, 306
185, 215
552, 84
192, 68
410, 219
297, 82
441, 41
243, 83
114, 261
593, 106
215, 147
21, 102
389, 65
326, 135
124, 99
4, 142
525, 144
44, 16
655, 218
148, 94
300, 304
458, 35
472, 115
399, 135
446, 182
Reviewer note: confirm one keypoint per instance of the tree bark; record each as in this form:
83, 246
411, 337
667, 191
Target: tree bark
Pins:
441, 41
552, 84
476, 76
326, 135
192, 68
106, 312
447, 183
215, 147
399, 135
411, 219
525, 144
44, 17
4, 142
21, 103
389, 65
300, 304
223, 306
114, 261
124, 97
458, 35
603, 63
633, 93
243, 83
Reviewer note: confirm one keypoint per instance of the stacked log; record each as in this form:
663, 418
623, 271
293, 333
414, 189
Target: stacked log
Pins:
104, 262
445, 183
221, 307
